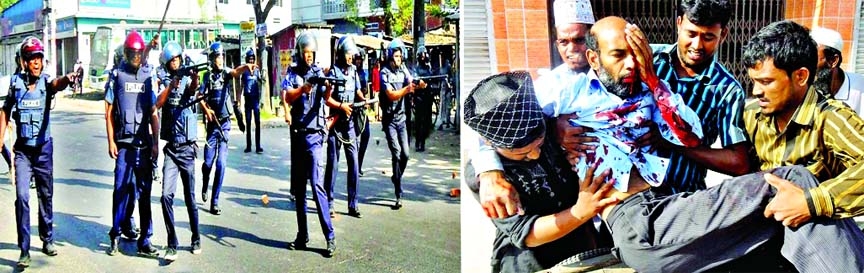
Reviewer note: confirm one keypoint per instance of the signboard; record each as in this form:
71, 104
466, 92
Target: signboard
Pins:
123, 4
247, 26
247, 36
261, 30
284, 59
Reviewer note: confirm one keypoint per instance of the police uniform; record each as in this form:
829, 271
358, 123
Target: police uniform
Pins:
393, 122
34, 155
307, 150
133, 98
216, 151
423, 109
252, 97
179, 130
344, 128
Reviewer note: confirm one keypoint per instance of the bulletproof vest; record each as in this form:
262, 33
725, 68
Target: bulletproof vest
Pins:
179, 125
347, 92
307, 111
250, 83
31, 116
394, 109
219, 89
132, 104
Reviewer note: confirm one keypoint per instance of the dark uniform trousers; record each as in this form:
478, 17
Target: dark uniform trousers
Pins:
307, 159
346, 131
692, 232
179, 161
133, 178
216, 150
397, 141
364, 142
35, 162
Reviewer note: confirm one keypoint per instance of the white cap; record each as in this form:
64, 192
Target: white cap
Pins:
827, 37
573, 12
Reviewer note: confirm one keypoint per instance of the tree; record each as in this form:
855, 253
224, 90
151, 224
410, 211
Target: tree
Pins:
354, 12
397, 20
400, 22
6, 3
261, 18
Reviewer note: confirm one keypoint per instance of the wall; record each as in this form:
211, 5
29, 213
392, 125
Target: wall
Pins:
521, 35
836, 15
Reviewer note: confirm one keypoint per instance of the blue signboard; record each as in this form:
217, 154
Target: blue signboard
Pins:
23, 12
67, 24
124, 4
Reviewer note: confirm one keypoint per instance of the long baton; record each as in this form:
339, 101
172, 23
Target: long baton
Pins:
162, 23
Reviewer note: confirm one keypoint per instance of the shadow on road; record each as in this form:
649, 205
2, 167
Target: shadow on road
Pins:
219, 233
95, 172
11, 264
85, 233
84, 183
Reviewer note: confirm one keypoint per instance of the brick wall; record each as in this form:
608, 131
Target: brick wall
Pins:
836, 15
521, 35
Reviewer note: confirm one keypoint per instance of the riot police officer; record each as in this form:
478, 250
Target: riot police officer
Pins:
179, 130
342, 133
396, 82
130, 116
30, 94
251, 103
217, 110
307, 138
423, 101
362, 120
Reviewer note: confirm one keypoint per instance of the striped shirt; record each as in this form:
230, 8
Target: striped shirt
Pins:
826, 137
718, 99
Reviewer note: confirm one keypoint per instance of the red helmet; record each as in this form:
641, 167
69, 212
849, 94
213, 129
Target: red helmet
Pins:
134, 41
30, 47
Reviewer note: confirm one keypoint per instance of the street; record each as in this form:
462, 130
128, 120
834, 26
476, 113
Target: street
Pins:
249, 236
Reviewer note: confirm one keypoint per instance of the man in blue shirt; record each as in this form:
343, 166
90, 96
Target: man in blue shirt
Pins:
30, 94
251, 101
307, 122
132, 125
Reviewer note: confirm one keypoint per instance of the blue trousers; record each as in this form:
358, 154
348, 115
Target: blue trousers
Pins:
346, 132
179, 161
253, 108
133, 179
397, 141
35, 162
692, 232
307, 163
216, 150
364, 143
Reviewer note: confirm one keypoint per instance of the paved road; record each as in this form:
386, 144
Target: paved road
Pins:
249, 236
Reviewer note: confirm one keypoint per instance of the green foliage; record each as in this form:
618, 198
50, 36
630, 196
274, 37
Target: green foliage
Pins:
354, 11
400, 22
6, 3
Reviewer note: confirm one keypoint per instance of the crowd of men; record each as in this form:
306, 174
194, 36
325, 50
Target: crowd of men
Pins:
611, 149
146, 103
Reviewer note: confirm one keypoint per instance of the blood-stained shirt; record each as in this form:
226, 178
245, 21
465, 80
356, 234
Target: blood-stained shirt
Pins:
618, 122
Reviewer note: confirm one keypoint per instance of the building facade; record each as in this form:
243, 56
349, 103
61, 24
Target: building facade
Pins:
76, 22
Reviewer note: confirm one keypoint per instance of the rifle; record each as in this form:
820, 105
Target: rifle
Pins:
188, 70
359, 105
322, 80
429, 78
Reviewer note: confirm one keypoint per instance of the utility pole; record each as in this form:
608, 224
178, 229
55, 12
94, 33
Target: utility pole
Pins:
419, 27
260, 19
